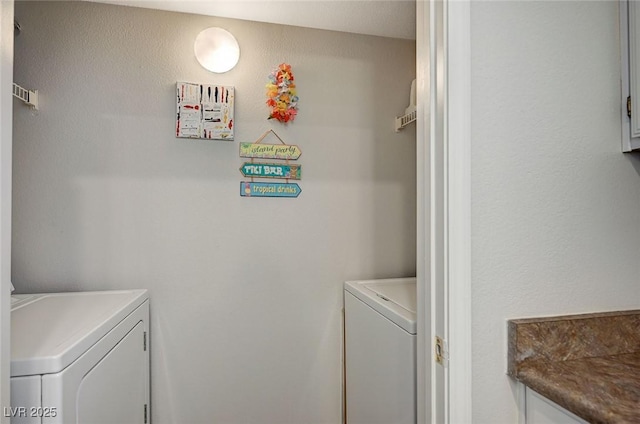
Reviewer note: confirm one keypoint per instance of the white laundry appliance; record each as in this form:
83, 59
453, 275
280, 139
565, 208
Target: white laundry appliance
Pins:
380, 351
80, 358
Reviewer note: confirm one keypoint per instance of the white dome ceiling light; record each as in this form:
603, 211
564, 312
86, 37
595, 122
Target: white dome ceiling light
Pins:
217, 50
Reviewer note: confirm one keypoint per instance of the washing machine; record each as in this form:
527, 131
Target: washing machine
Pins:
380, 351
79, 358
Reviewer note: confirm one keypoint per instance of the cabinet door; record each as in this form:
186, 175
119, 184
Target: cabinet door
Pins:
541, 410
630, 69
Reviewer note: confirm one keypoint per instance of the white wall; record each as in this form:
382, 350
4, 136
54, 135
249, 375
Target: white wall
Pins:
555, 204
6, 105
246, 293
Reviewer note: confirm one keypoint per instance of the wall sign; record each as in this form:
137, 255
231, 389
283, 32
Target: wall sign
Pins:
284, 171
271, 170
270, 151
251, 189
204, 111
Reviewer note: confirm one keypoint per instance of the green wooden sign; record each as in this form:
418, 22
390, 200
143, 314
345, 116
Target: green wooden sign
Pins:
271, 170
269, 151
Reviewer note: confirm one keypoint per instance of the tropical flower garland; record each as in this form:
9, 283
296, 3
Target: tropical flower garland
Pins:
282, 94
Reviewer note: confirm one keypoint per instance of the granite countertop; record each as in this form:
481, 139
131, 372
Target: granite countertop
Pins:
588, 364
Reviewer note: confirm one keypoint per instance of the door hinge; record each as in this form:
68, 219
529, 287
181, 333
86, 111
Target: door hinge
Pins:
145, 413
441, 351
629, 106
144, 341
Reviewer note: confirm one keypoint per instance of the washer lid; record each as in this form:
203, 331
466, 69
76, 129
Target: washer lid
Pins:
394, 298
50, 331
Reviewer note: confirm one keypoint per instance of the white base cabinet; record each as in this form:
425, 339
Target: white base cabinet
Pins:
540, 410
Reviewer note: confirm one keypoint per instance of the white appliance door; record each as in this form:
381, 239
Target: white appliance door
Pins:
114, 391
106, 385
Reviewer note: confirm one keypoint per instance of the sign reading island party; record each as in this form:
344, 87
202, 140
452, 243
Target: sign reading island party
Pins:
250, 189
270, 151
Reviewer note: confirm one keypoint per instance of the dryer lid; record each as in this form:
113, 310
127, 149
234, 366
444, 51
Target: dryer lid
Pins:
50, 331
402, 293
394, 298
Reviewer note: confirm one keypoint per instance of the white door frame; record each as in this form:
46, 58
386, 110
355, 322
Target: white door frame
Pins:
458, 140
443, 50
456, 187
6, 141
425, 353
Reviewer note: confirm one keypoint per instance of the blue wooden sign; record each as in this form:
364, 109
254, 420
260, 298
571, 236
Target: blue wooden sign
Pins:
249, 189
271, 170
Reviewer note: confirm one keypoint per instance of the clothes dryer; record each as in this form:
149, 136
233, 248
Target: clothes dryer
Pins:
80, 358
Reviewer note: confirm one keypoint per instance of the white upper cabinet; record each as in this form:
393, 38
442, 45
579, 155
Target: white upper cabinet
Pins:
630, 56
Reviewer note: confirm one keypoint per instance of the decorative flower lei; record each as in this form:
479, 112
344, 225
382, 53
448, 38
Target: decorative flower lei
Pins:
282, 94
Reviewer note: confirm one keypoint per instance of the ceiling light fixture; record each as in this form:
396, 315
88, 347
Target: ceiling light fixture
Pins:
217, 50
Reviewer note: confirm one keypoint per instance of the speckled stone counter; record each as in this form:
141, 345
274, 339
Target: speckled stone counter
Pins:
588, 364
